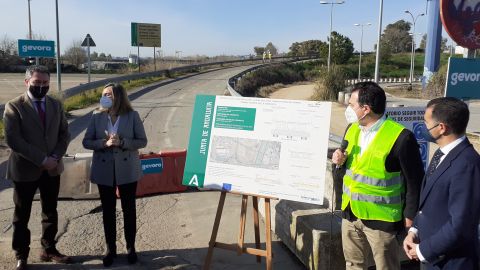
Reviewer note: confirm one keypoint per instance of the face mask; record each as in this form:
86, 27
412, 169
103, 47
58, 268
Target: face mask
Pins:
425, 132
38, 91
350, 115
106, 102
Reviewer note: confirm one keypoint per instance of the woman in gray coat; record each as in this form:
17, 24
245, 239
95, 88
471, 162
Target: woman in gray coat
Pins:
115, 134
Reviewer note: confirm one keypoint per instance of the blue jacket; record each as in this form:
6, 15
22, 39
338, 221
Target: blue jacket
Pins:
449, 211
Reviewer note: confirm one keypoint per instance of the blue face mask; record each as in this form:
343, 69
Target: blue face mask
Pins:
425, 132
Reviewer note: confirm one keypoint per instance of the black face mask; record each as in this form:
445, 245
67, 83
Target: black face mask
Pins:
38, 91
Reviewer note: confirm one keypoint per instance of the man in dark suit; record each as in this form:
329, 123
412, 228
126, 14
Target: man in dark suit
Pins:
445, 231
37, 132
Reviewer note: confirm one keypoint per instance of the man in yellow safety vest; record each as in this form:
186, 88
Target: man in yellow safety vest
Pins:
383, 171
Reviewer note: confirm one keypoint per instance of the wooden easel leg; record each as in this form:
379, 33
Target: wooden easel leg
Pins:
243, 218
268, 233
216, 224
256, 225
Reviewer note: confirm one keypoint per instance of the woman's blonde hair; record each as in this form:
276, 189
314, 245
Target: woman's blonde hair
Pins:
121, 103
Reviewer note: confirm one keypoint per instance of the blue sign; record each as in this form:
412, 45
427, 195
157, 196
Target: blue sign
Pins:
36, 48
422, 143
463, 78
152, 165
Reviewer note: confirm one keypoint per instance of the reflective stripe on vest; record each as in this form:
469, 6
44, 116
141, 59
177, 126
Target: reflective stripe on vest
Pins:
371, 198
373, 181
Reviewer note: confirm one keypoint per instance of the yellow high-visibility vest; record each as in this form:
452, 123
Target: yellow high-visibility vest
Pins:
372, 192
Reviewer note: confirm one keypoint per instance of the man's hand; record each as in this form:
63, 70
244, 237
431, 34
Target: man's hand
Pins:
50, 163
339, 157
408, 223
409, 246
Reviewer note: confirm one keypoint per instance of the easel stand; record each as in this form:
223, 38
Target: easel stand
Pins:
239, 247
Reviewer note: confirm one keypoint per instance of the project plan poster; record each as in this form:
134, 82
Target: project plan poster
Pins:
259, 146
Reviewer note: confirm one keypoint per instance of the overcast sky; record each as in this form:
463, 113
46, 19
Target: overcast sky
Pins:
203, 27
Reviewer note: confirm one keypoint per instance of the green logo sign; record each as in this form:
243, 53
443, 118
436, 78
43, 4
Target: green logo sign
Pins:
463, 80
36, 48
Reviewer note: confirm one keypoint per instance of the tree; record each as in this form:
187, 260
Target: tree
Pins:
306, 48
8, 53
270, 47
443, 44
258, 50
94, 56
397, 37
75, 54
342, 48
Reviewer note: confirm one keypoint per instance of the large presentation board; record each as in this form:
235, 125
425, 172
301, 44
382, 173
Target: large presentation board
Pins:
267, 147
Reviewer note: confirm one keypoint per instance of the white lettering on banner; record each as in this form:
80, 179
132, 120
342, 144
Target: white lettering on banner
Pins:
28, 48
194, 180
468, 77
149, 166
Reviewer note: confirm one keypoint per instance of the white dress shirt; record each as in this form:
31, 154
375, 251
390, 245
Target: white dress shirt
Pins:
367, 134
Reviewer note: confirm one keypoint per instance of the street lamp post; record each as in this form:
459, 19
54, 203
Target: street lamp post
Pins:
377, 58
331, 22
414, 20
361, 49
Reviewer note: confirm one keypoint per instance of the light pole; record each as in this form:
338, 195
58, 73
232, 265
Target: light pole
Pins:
331, 22
361, 49
29, 22
377, 59
414, 19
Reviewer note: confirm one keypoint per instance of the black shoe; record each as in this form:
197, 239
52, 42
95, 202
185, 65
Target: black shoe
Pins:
54, 256
132, 257
108, 259
21, 265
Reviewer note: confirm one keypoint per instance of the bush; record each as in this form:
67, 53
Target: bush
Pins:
250, 84
436, 86
329, 84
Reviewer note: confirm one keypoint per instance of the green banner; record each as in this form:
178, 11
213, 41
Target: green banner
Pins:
134, 34
197, 153
235, 118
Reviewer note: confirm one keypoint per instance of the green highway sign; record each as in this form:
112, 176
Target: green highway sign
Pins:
146, 34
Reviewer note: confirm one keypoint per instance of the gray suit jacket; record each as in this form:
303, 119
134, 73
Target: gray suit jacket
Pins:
121, 164
30, 141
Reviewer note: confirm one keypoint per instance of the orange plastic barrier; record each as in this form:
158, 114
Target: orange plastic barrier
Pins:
162, 172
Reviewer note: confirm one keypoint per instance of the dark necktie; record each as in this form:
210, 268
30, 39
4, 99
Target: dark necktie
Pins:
41, 112
434, 162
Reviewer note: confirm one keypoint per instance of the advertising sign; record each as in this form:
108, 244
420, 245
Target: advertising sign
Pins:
268, 147
412, 118
146, 34
36, 48
463, 78
152, 165
461, 19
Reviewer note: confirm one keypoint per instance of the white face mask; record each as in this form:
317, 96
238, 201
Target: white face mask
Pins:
350, 115
106, 102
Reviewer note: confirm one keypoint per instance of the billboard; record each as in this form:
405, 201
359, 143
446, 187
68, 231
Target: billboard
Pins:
146, 34
463, 78
274, 148
36, 48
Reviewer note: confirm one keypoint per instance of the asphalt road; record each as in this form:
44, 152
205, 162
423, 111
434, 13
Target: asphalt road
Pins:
173, 229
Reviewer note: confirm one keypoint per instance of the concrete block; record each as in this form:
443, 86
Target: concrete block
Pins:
341, 97
347, 98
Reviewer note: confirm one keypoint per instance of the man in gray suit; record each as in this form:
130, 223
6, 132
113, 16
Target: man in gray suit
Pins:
37, 132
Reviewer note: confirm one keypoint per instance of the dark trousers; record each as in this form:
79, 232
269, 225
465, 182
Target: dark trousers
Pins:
23, 193
109, 200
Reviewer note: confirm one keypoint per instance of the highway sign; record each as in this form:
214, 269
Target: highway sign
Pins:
146, 34
88, 41
463, 78
461, 20
36, 48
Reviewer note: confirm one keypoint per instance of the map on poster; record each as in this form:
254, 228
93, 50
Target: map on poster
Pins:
412, 118
275, 148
